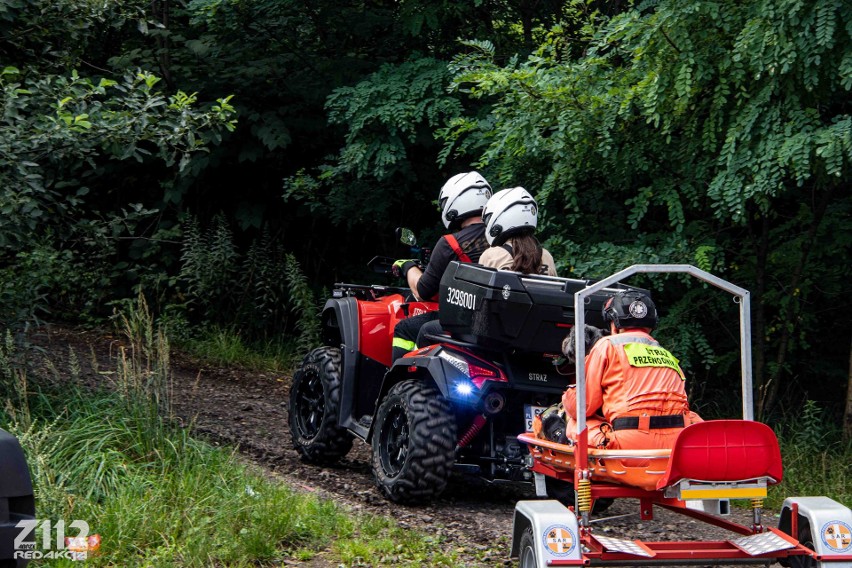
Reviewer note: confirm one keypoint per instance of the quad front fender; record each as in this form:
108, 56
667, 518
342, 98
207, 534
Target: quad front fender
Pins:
340, 323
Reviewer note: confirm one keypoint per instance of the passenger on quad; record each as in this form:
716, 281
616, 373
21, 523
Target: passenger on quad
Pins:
510, 217
461, 200
636, 383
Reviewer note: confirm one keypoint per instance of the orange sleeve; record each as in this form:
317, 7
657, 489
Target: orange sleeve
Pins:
597, 363
569, 402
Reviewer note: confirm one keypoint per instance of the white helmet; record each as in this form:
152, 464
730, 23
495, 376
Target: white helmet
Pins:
507, 212
463, 196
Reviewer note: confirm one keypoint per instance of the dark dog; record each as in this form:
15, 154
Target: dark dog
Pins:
590, 335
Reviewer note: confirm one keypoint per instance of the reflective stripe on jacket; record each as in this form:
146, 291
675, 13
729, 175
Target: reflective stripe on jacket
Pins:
621, 389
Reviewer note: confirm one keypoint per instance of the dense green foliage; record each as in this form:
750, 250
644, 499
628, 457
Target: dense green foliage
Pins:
716, 133
75, 146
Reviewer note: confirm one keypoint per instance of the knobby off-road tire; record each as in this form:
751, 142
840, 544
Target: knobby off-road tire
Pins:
413, 443
528, 556
314, 405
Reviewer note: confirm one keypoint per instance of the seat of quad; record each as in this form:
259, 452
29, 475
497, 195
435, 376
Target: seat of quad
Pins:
505, 309
711, 459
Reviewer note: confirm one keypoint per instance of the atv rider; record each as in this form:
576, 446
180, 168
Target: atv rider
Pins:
637, 384
510, 217
461, 200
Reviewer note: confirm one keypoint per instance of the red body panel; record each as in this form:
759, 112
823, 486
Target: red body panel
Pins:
724, 450
376, 320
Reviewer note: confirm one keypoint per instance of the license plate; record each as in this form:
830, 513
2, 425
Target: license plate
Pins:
531, 412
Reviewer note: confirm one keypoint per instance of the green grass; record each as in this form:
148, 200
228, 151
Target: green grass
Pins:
188, 504
820, 469
817, 461
815, 471
157, 496
170, 500
224, 347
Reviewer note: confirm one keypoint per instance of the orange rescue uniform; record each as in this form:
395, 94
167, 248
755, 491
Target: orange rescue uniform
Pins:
630, 375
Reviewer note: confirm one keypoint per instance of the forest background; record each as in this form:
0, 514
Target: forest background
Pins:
233, 159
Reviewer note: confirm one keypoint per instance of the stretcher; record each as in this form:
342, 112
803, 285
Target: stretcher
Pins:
710, 464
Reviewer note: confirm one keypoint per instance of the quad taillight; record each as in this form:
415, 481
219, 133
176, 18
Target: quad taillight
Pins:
475, 371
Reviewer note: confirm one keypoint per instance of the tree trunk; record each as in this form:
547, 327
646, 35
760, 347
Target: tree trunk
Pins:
527, 11
761, 242
793, 310
160, 10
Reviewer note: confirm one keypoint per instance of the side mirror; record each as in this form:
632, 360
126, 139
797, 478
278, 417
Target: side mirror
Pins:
406, 236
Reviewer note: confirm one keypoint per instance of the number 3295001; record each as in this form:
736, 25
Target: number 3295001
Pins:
461, 298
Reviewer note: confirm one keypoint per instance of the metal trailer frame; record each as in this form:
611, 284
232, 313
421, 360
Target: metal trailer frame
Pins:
546, 533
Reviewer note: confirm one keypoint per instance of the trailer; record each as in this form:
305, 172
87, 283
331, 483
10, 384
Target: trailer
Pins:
710, 464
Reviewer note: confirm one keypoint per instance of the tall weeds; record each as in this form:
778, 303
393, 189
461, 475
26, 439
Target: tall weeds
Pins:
817, 461
142, 378
258, 299
209, 263
304, 306
157, 496
261, 297
13, 383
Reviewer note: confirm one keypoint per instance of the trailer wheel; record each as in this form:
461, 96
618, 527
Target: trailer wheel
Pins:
413, 442
314, 405
805, 537
527, 558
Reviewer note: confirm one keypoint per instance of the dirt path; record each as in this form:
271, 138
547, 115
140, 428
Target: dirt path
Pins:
248, 409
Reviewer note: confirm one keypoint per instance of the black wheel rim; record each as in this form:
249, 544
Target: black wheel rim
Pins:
393, 449
310, 405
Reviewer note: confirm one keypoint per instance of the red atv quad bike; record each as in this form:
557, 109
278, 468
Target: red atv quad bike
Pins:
457, 404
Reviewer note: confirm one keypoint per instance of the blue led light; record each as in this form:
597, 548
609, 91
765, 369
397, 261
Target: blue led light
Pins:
464, 389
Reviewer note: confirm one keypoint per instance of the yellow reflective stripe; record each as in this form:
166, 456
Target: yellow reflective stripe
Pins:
404, 344
641, 355
732, 493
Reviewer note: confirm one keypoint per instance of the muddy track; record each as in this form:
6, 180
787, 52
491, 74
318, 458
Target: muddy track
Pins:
248, 410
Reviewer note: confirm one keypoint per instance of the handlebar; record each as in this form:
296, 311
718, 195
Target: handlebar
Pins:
384, 264
367, 292
380, 265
